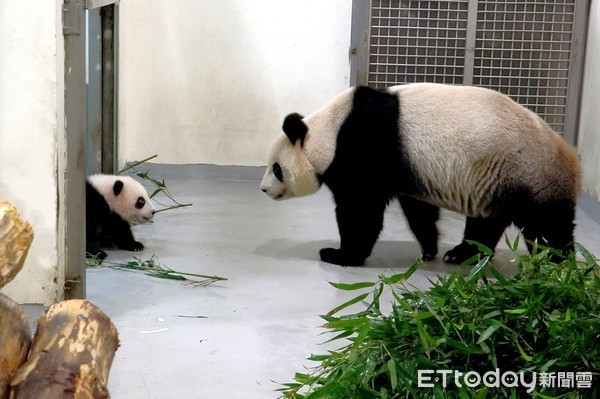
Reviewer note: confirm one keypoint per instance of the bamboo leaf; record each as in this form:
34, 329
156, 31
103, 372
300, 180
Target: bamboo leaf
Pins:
487, 333
478, 267
400, 277
463, 346
482, 248
523, 354
347, 323
589, 258
391, 365
498, 276
352, 287
515, 311
348, 303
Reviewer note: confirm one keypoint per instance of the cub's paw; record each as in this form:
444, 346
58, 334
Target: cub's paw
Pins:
461, 253
137, 246
133, 246
337, 257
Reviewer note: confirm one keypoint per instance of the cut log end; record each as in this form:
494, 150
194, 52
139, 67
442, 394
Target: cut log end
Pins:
15, 340
16, 236
72, 352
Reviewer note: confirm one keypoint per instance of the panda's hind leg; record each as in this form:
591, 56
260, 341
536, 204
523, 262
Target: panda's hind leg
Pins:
422, 218
551, 225
486, 231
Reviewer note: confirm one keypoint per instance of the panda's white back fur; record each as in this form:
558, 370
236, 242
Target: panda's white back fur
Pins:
124, 203
466, 141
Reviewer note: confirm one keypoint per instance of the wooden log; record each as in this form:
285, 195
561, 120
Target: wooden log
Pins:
15, 238
72, 352
15, 340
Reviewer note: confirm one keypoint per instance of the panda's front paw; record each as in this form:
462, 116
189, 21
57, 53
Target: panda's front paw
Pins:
133, 246
137, 246
461, 253
338, 257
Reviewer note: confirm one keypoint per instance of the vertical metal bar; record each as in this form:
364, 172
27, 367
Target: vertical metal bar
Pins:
93, 93
72, 182
470, 42
116, 39
359, 42
108, 89
577, 56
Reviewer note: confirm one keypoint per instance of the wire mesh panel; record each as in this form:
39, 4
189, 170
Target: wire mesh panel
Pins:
417, 41
521, 47
523, 50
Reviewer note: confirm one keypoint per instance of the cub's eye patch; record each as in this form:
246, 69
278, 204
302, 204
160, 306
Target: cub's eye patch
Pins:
139, 204
278, 172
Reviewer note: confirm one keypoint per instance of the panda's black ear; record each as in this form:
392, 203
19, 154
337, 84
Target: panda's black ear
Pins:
118, 187
294, 128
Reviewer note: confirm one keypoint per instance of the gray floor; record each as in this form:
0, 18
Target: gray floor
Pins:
257, 328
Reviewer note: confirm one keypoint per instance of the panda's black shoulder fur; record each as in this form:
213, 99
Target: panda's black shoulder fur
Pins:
370, 160
96, 212
96, 207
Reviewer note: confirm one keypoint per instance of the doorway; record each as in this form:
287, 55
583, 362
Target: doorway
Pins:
101, 76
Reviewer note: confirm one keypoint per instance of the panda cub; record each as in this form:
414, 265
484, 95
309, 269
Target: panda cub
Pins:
467, 149
113, 204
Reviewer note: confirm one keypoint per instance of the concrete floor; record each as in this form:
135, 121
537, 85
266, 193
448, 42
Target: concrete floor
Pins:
241, 337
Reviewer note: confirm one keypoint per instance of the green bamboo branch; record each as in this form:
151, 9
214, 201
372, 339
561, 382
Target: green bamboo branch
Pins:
173, 207
154, 268
136, 163
160, 186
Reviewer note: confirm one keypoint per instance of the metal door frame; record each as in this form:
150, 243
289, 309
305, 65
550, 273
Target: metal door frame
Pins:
71, 159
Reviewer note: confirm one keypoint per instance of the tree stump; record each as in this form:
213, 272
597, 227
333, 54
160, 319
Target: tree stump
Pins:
72, 352
15, 339
15, 238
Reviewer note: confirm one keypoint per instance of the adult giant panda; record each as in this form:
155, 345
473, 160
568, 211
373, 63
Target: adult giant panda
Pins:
471, 150
113, 204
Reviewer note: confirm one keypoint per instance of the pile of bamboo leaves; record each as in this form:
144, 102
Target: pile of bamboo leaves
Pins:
543, 320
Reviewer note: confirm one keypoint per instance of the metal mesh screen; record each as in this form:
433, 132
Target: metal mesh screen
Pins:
521, 47
523, 50
417, 41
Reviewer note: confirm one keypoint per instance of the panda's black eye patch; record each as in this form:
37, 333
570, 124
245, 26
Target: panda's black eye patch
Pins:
139, 204
278, 172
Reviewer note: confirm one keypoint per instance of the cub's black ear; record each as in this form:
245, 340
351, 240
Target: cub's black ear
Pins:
294, 128
118, 187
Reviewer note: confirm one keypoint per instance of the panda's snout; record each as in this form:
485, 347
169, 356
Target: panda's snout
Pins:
265, 190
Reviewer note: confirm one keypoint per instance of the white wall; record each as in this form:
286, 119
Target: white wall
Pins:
589, 122
29, 99
210, 81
